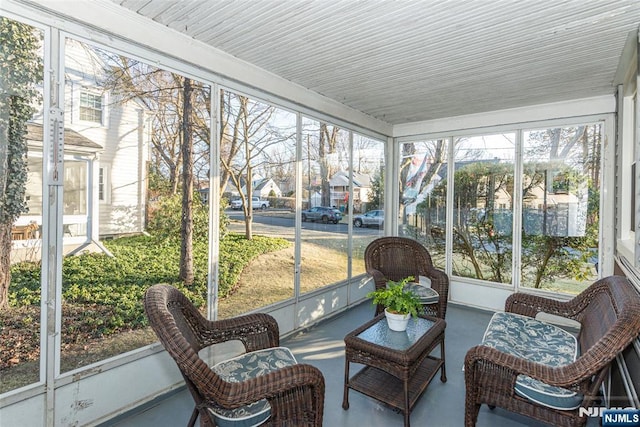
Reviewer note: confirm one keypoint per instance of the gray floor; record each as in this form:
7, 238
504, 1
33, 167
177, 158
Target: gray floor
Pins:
441, 405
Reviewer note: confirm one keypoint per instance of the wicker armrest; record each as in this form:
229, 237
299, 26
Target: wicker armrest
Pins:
530, 305
256, 331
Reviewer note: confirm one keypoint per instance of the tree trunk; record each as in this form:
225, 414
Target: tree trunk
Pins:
327, 146
248, 205
549, 250
186, 226
5, 264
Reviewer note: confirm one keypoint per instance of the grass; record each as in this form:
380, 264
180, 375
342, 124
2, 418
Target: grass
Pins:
269, 278
266, 279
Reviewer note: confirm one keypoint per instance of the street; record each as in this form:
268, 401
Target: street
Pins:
281, 223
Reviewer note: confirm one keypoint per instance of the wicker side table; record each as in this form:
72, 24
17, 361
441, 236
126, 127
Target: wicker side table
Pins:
398, 367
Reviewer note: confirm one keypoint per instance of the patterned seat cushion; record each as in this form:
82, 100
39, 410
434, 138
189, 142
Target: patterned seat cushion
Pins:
244, 367
423, 290
538, 342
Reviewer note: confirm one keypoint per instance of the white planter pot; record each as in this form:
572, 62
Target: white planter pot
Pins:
397, 322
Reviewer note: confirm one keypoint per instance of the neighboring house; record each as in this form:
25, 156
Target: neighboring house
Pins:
558, 212
339, 184
263, 188
202, 187
266, 188
106, 149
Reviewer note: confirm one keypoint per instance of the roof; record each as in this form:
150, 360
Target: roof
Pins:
72, 139
341, 179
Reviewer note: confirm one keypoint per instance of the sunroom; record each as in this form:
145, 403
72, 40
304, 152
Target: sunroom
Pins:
531, 107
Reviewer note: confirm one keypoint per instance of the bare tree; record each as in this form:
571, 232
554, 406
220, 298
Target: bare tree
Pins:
176, 125
161, 92
328, 143
247, 135
432, 158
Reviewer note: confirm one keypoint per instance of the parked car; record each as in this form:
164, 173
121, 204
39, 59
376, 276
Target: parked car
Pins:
370, 218
322, 213
256, 202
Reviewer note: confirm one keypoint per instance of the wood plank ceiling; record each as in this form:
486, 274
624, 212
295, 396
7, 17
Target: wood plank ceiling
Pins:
412, 60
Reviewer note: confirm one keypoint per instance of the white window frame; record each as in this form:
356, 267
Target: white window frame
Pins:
628, 152
103, 99
104, 184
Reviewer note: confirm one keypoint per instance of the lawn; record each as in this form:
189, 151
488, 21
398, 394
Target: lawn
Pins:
102, 308
102, 299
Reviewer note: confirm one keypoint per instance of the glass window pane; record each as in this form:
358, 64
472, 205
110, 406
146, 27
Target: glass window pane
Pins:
423, 189
325, 176
483, 207
258, 153
135, 164
20, 181
560, 216
368, 197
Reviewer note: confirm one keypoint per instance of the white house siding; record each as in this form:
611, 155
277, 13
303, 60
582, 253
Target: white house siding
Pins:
124, 151
266, 186
122, 212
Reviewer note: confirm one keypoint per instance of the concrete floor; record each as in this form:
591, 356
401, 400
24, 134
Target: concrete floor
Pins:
441, 405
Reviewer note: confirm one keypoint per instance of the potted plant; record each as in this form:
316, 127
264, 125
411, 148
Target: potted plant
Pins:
399, 303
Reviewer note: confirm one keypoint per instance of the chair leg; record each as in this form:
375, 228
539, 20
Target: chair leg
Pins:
471, 414
194, 417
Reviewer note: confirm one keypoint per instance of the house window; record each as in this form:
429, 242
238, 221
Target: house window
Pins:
75, 187
103, 184
90, 107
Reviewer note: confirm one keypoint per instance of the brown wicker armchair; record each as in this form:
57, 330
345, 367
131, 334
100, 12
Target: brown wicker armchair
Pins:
395, 258
295, 393
608, 315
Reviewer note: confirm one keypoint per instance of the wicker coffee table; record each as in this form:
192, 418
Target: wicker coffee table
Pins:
398, 367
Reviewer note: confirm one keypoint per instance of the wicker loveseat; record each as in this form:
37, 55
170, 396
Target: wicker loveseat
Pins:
395, 258
499, 374
263, 386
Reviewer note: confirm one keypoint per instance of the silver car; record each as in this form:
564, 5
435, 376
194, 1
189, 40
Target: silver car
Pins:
322, 213
370, 218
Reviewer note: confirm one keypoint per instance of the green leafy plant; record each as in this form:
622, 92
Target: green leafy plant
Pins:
110, 290
396, 299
